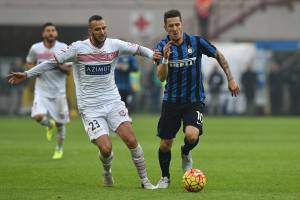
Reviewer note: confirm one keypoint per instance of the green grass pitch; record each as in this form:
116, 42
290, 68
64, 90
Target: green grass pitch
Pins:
243, 158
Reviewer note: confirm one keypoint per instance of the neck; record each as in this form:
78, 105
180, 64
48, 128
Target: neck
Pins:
96, 43
178, 42
49, 44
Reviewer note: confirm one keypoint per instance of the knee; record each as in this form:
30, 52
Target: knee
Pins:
131, 142
59, 125
38, 118
105, 150
105, 147
126, 132
192, 134
166, 145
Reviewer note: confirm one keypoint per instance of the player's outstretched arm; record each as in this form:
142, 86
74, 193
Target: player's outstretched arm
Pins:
17, 77
148, 53
135, 49
232, 85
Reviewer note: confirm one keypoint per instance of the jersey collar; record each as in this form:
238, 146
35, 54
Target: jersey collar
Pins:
183, 41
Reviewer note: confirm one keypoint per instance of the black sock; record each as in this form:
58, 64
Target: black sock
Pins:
187, 147
164, 162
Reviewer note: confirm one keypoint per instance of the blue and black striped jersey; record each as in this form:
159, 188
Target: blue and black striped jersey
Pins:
184, 80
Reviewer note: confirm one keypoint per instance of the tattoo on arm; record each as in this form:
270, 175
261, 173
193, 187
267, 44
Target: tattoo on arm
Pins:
224, 64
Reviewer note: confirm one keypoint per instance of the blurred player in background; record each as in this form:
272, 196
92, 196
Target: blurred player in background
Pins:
125, 66
184, 93
50, 88
98, 99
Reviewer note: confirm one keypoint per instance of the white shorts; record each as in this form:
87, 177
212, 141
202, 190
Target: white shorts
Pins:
57, 108
97, 121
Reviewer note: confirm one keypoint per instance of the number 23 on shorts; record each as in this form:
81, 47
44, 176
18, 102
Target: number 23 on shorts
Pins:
93, 125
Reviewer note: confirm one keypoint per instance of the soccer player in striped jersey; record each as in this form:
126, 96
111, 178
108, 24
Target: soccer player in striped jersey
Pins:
50, 88
98, 99
184, 97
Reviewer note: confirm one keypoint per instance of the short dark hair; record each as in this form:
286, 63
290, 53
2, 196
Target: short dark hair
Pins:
95, 17
172, 13
47, 24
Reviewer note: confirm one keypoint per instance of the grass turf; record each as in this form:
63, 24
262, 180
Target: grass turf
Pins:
243, 158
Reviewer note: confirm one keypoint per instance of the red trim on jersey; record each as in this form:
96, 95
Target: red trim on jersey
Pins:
44, 56
98, 56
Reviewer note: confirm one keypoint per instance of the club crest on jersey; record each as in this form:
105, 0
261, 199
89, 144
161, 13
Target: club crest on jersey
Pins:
123, 113
97, 69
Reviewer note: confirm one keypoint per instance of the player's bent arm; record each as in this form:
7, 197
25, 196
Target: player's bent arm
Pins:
162, 72
224, 64
41, 68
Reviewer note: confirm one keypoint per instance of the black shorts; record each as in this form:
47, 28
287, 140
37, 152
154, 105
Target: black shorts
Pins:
172, 114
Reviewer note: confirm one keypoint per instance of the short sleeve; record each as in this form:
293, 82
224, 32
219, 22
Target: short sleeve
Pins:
207, 48
159, 47
67, 55
31, 57
127, 48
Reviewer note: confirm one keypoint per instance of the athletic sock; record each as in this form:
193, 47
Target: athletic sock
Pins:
164, 162
61, 134
106, 162
187, 147
46, 122
138, 159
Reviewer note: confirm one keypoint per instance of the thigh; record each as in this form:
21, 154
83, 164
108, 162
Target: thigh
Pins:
94, 123
39, 106
117, 114
58, 109
193, 116
169, 122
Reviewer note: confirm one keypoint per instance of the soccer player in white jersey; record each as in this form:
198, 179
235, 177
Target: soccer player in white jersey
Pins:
98, 99
50, 88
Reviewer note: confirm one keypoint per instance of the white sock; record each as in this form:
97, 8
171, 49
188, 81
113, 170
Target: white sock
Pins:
137, 155
61, 134
106, 162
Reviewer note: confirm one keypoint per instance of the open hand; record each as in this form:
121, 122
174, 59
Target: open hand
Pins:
233, 87
16, 77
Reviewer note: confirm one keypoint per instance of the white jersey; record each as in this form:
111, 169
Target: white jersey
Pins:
53, 82
94, 68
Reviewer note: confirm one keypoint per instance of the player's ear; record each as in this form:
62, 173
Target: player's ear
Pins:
165, 26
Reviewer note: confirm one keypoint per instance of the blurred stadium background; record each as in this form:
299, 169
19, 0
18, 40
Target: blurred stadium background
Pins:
262, 34
243, 157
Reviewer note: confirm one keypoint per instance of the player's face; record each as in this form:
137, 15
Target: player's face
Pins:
174, 28
98, 30
50, 34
